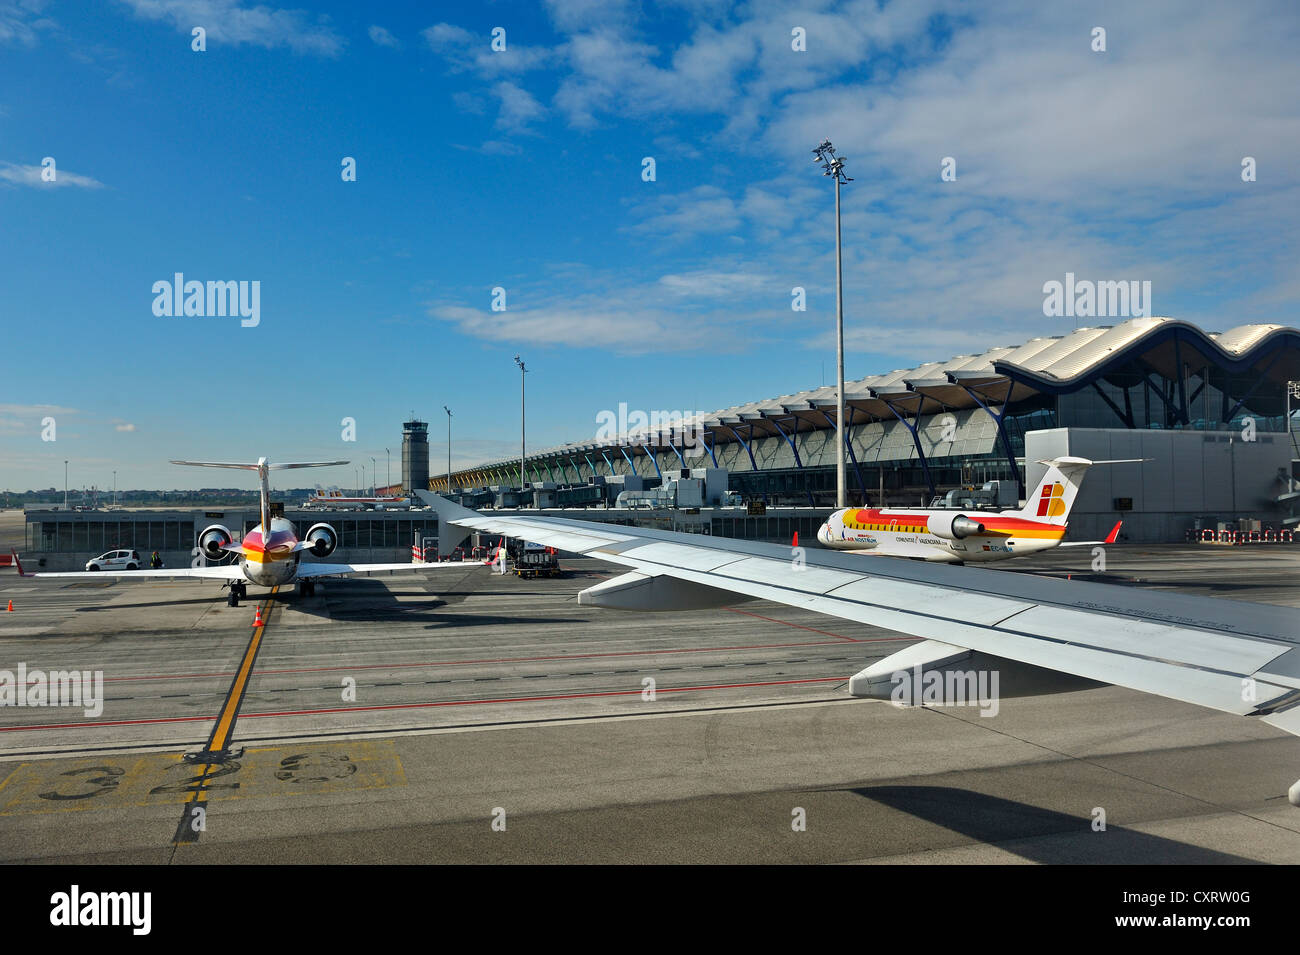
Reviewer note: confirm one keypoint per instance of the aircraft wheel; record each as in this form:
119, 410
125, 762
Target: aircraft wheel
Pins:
232, 599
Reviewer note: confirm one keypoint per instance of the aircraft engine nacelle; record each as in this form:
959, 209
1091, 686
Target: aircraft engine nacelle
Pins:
213, 539
953, 527
321, 540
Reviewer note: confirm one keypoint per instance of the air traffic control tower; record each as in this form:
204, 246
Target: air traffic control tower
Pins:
415, 456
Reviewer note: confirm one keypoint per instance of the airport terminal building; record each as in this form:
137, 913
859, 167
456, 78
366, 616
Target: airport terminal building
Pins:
1209, 409
1207, 412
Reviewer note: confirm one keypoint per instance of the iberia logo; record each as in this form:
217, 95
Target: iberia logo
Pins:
1052, 501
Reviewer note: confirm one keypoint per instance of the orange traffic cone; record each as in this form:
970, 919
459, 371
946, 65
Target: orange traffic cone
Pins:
257, 619
11, 606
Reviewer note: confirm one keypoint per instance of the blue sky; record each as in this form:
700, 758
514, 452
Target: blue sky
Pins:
522, 169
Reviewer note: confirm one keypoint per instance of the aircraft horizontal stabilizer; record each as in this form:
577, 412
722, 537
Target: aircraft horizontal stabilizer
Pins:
255, 465
306, 464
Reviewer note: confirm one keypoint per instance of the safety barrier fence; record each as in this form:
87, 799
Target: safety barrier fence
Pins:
1268, 535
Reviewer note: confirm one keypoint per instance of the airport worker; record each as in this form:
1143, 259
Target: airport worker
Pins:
155, 561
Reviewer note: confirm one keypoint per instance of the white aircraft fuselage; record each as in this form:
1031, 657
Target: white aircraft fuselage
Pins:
271, 559
950, 536
938, 535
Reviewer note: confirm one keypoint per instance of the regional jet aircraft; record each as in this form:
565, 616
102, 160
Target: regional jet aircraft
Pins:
269, 554
950, 536
1040, 635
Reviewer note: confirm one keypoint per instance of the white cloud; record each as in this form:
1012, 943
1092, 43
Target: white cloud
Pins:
472, 52
21, 419
127, 426
36, 411
608, 72
1117, 165
450, 40
666, 144
382, 37
468, 102
228, 21
765, 210
21, 21
590, 323
572, 15
31, 176
491, 147
495, 147
708, 283
1029, 111
732, 307
735, 66
604, 68
518, 107
701, 209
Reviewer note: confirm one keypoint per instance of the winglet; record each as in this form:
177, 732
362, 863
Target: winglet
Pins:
19, 564
1114, 533
449, 514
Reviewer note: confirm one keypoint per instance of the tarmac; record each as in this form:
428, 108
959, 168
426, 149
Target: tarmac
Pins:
467, 717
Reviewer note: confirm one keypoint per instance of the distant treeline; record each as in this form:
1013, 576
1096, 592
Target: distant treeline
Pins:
203, 497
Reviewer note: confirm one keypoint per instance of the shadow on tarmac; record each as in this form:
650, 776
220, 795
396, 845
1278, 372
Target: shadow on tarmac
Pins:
364, 600
1002, 822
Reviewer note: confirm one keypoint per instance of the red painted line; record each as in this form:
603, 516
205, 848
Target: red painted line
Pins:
64, 726
800, 626
421, 706
541, 659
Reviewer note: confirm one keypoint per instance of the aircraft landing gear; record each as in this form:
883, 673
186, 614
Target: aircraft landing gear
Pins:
238, 592
306, 588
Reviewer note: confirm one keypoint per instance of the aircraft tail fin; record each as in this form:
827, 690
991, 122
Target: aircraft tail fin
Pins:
263, 469
450, 535
1054, 497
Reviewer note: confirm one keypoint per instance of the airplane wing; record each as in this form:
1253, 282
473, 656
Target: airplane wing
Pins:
234, 572
218, 572
1238, 657
345, 570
